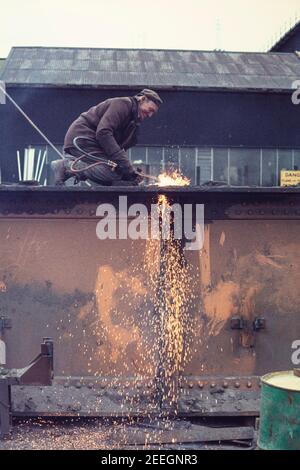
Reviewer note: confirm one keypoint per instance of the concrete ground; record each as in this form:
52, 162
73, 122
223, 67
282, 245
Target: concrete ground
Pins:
104, 434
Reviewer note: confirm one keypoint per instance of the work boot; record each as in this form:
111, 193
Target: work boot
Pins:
61, 172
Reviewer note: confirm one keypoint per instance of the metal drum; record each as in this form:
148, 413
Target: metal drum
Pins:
280, 411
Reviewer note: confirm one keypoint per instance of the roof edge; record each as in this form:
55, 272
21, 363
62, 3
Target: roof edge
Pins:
145, 49
157, 87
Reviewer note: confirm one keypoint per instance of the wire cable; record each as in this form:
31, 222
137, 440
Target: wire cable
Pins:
98, 160
31, 122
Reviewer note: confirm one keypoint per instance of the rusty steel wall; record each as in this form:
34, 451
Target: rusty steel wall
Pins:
60, 281
93, 297
248, 269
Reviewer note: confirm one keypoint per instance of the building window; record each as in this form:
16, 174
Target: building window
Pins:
138, 155
155, 160
233, 166
204, 166
244, 167
187, 163
269, 172
171, 159
221, 165
285, 160
296, 159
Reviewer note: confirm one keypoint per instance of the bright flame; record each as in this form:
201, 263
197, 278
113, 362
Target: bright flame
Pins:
169, 282
173, 179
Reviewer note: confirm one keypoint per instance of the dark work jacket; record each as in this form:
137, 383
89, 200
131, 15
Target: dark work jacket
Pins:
112, 125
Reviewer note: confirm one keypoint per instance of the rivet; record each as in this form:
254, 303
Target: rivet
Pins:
66, 384
225, 384
200, 384
78, 385
90, 385
149, 385
103, 386
237, 384
115, 386
138, 385
212, 385
249, 384
191, 385
92, 212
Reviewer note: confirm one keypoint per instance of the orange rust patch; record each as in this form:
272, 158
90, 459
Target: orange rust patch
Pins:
220, 304
2, 287
85, 310
107, 283
222, 239
266, 260
204, 259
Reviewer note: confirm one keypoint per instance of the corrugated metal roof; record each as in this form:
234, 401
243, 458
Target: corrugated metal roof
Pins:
43, 66
2, 62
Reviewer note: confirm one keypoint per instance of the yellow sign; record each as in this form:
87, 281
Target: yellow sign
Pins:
289, 178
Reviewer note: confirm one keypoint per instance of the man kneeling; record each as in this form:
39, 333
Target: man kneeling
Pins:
106, 130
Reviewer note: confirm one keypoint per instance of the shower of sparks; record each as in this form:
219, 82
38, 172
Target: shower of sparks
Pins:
172, 298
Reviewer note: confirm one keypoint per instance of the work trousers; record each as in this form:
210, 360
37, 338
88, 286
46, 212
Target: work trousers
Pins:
101, 174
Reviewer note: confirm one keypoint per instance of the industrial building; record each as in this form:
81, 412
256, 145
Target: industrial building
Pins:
227, 116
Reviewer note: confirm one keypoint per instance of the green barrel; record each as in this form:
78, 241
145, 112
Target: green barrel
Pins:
280, 411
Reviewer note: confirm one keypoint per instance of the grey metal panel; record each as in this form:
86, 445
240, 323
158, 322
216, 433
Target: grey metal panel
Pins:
81, 65
127, 67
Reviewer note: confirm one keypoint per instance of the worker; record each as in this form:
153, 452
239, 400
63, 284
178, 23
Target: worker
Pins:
106, 130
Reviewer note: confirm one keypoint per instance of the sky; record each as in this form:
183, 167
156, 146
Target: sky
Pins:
232, 25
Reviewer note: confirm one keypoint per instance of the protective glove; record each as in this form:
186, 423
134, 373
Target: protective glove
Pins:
128, 175
139, 177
